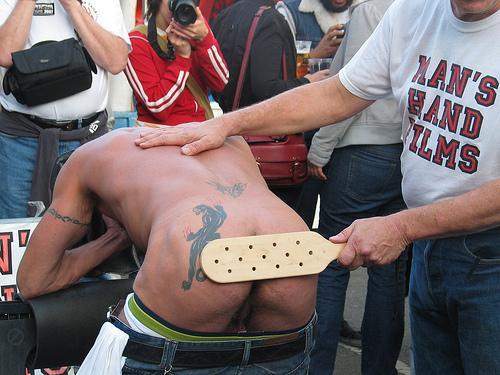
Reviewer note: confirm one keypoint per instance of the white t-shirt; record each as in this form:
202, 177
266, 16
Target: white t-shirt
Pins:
445, 74
51, 22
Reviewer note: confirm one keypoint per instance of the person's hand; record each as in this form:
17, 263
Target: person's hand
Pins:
315, 171
114, 228
180, 43
67, 4
373, 241
330, 42
195, 31
193, 137
318, 76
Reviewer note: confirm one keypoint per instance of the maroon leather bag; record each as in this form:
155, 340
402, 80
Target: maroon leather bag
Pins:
282, 159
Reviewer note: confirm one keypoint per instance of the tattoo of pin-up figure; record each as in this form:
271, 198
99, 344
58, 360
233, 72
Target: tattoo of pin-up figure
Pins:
212, 219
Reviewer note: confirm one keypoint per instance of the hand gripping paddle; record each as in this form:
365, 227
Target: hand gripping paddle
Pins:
229, 260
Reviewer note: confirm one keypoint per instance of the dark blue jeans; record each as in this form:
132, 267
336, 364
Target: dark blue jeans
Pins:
363, 181
455, 305
307, 199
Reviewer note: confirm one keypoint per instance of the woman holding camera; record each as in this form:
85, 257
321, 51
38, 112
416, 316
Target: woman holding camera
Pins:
175, 60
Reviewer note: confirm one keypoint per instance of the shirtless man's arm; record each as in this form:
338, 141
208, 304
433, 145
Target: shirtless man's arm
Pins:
65, 223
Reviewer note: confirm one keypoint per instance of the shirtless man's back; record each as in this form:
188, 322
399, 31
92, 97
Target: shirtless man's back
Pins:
172, 205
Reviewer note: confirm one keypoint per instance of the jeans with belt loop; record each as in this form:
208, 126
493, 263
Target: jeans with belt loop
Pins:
363, 181
455, 304
297, 364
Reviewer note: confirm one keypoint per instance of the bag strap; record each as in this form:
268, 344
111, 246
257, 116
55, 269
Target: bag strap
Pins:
283, 61
200, 96
191, 83
246, 55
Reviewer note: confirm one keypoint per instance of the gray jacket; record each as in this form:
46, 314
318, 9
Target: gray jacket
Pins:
378, 124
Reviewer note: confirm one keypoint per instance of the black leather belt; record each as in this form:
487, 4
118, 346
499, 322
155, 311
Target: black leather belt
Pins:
63, 125
261, 350
216, 358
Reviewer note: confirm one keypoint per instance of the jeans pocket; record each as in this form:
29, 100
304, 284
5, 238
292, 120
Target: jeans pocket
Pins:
370, 176
483, 247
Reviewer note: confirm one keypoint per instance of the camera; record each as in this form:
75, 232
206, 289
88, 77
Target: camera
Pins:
184, 11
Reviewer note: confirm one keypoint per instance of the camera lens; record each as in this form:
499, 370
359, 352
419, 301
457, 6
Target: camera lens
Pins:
184, 11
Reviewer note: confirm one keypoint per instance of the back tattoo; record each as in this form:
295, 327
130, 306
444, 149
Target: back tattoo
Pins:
212, 219
234, 191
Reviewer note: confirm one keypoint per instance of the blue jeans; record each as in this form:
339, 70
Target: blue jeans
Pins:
306, 201
455, 305
363, 181
17, 161
297, 364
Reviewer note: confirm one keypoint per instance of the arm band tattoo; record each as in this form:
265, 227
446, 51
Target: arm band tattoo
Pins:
66, 219
235, 191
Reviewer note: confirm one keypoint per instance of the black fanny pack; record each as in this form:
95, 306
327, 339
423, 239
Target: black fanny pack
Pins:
49, 71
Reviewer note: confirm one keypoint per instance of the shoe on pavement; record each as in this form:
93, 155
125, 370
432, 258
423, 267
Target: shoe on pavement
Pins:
349, 336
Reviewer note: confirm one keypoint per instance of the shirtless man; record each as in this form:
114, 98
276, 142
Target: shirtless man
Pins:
170, 206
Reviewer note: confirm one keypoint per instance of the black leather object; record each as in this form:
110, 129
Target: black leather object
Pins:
67, 322
17, 337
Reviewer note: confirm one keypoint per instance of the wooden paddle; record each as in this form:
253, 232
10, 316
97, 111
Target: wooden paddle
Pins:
229, 260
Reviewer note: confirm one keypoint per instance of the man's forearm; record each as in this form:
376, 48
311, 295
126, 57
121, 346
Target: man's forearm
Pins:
72, 266
300, 109
14, 31
380, 240
303, 108
107, 50
473, 211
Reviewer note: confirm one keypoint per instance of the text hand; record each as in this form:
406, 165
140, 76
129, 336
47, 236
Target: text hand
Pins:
330, 42
180, 43
193, 137
373, 241
67, 4
318, 76
315, 171
195, 31
114, 228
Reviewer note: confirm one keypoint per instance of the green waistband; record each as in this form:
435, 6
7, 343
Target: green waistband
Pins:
175, 335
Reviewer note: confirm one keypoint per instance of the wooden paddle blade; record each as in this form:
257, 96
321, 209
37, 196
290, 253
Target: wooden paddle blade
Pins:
229, 260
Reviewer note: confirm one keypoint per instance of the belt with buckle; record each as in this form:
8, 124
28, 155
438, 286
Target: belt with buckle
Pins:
63, 125
266, 350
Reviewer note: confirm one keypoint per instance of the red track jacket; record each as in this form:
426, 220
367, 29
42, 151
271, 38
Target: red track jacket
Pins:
159, 86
